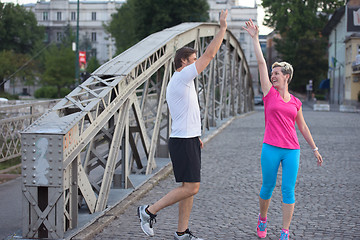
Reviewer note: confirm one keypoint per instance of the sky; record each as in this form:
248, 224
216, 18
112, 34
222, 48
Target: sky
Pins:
249, 3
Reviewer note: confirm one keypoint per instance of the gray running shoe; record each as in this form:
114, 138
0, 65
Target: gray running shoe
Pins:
187, 236
146, 220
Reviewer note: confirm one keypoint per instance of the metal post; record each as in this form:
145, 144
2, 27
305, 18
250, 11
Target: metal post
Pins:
77, 47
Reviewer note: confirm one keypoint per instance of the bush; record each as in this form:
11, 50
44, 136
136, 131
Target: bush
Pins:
9, 96
320, 96
64, 92
51, 92
46, 92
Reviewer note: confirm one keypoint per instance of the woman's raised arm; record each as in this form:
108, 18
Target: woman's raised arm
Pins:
253, 30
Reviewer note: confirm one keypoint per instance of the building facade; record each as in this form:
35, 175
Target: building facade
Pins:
352, 70
56, 15
342, 29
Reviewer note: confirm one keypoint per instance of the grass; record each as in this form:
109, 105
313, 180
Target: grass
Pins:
10, 163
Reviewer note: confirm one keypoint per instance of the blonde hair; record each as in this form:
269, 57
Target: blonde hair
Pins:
286, 68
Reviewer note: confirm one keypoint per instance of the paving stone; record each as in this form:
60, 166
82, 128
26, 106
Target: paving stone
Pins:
226, 207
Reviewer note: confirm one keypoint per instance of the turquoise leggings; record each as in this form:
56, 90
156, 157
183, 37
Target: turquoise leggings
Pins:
271, 157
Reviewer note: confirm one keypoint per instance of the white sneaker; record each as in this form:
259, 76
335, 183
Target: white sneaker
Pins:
187, 236
146, 220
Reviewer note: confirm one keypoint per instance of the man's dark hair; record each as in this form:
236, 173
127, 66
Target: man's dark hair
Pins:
183, 53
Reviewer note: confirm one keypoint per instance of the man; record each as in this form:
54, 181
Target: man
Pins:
184, 143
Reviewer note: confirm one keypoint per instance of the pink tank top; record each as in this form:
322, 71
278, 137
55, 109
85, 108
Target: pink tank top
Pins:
280, 120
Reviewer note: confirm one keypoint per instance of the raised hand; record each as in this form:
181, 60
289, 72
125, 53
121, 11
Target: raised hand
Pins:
223, 16
251, 28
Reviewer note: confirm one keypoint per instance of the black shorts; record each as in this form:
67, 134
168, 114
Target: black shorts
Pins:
185, 156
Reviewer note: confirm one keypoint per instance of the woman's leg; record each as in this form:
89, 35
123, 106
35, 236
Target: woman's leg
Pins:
270, 162
290, 168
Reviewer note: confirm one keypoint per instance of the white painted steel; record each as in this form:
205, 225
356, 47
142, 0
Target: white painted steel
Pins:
93, 134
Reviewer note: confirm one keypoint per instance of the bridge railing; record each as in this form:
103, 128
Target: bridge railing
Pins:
116, 125
14, 118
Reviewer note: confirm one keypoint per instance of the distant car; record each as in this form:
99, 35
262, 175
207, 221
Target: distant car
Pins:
258, 100
3, 99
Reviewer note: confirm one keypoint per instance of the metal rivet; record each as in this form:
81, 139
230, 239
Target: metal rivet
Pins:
24, 175
24, 167
33, 181
25, 181
33, 167
34, 158
34, 151
34, 175
34, 144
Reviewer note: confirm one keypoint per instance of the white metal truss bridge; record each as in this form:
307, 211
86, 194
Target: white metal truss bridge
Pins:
115, 126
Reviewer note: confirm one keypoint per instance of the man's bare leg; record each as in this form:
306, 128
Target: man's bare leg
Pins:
176, 195
185, 207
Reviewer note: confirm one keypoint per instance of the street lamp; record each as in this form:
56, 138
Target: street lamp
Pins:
77, 77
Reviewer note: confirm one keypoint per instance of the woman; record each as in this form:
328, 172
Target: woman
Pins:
280, 143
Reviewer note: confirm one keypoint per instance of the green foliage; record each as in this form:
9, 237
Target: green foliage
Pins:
300, 24
320, 97
51, 92
92, 65
18, 29
11, 62
59, 67
9, 96
136, 19
19, 37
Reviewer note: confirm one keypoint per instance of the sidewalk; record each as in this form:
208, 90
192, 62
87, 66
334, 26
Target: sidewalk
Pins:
226, 207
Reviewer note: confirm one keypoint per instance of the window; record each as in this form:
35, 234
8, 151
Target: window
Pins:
58, 36
73, 16
93, 16
46, 37
45, 16
93, 52
93, 36
58, 16
242, 37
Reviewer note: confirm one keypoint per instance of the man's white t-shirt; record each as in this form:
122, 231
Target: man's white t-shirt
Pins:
183, 103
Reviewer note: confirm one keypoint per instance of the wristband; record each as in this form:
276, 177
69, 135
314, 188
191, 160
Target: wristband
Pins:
315, 149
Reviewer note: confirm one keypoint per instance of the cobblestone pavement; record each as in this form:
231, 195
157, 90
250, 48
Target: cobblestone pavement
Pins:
226, 207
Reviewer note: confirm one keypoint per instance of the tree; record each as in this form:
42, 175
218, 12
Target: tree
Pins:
59, 67
18, 29
136, 19
92, 65
300, 23
19, 37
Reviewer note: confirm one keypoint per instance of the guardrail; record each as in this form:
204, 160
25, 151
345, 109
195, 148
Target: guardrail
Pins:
14, 118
